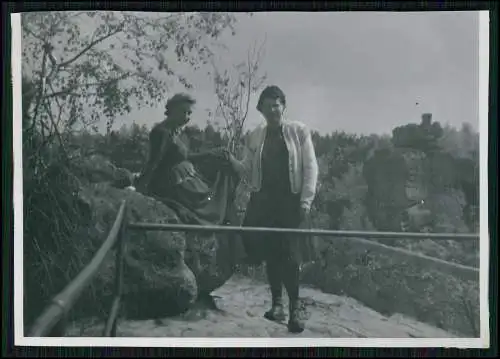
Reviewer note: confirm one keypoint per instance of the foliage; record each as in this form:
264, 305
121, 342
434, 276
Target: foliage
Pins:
80, 75
80, 69
368, 189
348, 167
390, 285
233, 92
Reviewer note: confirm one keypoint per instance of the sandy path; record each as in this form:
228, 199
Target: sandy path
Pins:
243, 301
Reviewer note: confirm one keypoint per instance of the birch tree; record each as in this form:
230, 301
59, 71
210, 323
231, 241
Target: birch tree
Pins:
234, 90
87, 67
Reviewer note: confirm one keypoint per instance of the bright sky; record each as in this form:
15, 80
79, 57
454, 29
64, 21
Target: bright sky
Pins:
361, 72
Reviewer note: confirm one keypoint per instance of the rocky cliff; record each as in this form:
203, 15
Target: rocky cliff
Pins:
164, 273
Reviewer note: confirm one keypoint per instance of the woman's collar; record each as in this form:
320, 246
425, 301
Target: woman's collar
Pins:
281, 124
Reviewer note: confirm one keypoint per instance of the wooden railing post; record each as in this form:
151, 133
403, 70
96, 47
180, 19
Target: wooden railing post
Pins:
59, 329
112, 321
52, 321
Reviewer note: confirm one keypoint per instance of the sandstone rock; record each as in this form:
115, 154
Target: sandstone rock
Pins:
98, 169
427, 198
174, 268
163, 274
212, 259
157, 282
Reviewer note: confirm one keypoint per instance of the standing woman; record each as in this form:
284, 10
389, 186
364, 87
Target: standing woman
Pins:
281, 166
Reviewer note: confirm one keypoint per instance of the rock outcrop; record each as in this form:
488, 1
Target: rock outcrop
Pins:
180, 266
157, 280
412, 186
98, 169
417, 189
212, 259
165, 272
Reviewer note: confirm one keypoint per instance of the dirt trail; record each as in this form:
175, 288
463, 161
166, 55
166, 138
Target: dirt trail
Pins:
242, 303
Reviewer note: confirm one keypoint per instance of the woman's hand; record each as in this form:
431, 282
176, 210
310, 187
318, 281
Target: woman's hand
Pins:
232, 160
305, 215
222, 153
227, 157
140, 183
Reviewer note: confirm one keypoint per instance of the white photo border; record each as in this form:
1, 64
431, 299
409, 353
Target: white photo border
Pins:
21, 340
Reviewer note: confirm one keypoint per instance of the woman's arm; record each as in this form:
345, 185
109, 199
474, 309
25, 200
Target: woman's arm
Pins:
309, 170
158, 141
243, 166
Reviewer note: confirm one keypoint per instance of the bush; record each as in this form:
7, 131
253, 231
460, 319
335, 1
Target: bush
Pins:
389, 285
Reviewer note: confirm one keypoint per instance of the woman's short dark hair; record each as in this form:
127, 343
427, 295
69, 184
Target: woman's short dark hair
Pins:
178, 99
271, 92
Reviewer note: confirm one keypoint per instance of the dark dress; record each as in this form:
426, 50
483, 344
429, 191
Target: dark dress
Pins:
197, 198
275, 205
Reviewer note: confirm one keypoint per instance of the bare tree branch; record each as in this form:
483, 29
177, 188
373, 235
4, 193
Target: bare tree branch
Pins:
56, 130
29, 31
234, 93
68, 90
91, 45
41, 88
59, 115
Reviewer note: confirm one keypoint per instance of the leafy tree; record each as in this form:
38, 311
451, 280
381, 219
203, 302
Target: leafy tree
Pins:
386, 174
79, 76
81, 68
340, 156
130, 147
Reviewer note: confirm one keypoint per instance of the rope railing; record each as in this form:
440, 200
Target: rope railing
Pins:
52, 321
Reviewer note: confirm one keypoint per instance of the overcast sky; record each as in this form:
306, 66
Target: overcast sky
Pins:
357, 72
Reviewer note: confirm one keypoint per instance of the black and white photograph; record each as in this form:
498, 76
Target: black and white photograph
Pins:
251, 179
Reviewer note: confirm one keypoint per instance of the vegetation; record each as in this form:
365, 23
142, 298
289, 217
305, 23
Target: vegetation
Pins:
72, 80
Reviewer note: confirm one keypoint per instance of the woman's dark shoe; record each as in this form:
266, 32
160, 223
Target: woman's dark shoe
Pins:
296, 322
276, 313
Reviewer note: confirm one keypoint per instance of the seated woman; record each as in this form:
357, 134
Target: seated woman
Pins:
172, 174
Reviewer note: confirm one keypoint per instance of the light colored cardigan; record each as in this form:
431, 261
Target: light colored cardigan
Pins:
303, 166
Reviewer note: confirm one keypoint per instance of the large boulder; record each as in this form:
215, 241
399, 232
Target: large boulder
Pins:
408, 185
157, 281
98, 169
164, 270
212, 259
